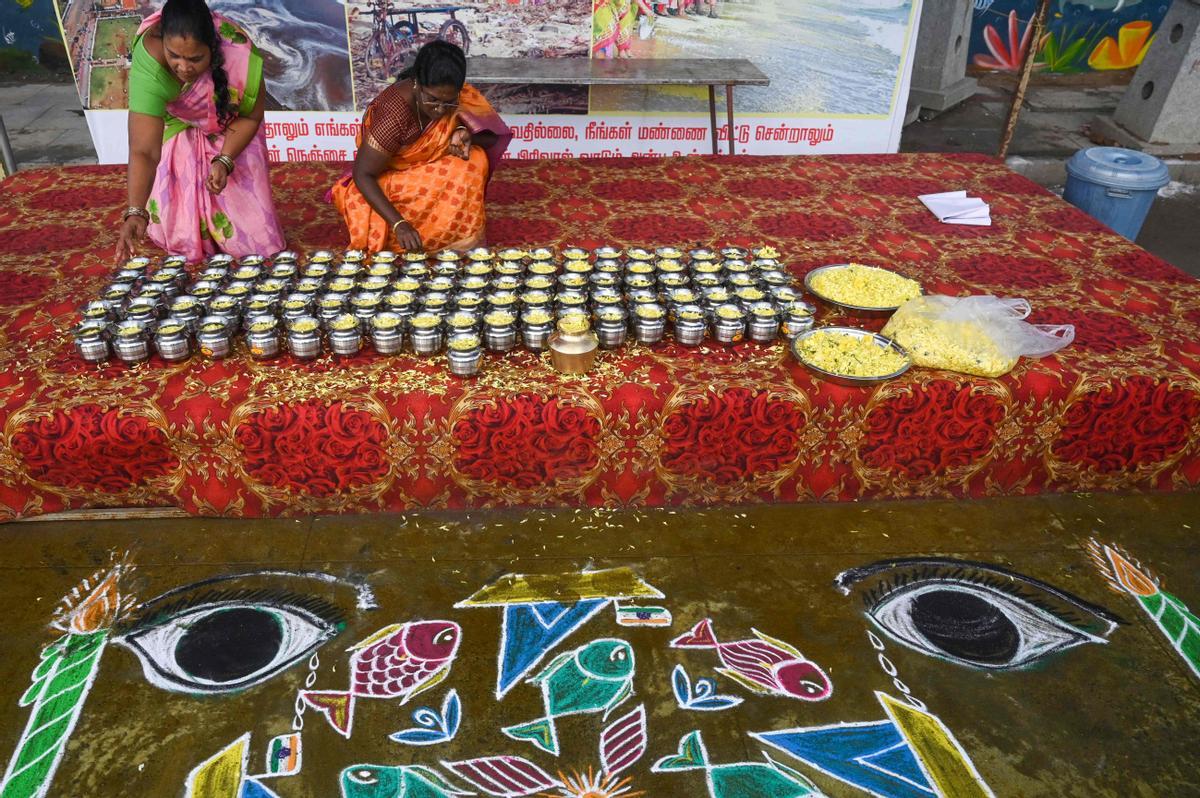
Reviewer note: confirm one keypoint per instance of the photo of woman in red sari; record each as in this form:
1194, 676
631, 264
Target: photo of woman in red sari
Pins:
429, 144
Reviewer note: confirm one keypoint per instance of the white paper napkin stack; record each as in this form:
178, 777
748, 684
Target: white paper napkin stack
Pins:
955, 207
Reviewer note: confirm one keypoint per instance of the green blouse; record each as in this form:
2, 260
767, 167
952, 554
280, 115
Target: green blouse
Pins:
152, 87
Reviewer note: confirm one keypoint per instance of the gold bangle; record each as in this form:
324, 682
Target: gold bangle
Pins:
134, 210
397, 222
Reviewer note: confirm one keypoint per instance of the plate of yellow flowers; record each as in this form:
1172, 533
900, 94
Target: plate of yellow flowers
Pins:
850, 356
861, 289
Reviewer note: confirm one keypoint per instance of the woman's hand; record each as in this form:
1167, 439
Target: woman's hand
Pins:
460, 143
133, 231
218, 176
407, 237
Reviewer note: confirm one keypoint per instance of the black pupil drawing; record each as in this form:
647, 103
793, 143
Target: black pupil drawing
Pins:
965, 626
229, 645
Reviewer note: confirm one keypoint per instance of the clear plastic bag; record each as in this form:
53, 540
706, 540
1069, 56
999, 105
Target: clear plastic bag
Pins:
980, 335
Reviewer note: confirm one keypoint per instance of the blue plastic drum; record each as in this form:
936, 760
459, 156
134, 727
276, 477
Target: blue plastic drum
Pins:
1115, 186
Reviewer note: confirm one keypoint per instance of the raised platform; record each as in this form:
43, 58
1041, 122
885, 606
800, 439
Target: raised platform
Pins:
1117, 410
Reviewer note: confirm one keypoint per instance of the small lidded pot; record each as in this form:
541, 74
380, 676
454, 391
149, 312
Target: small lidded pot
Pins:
649, 322
345, 336
541, 254
304, 337
607, 253
465, 354
436, 302
330, 306
729, 323
604, 280
226, 308
214, 338
470, 301
639, 254
749, 296
537, 324
131, 342
365, 305
98, 311
572, 302
462, 322
500, 330
143, 309
689, 325
284, 256
91, 341
763, 323
480, 254
297, 306
171, 340
427, 335
387, 333
573, 346
612, 326
797, 318
262, 336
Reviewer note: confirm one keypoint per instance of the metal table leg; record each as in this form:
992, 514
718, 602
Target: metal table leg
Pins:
729, 111
712, 112
6, 153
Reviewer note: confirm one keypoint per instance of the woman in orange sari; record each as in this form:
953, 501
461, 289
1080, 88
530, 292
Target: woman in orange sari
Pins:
429, 144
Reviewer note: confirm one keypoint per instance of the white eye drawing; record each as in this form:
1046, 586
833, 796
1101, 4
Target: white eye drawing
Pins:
974, 614
227, 642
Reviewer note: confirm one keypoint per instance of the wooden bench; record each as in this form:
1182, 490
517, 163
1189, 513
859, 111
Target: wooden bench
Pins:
711, 72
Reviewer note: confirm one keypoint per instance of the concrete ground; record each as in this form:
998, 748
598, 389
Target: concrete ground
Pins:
1051, 683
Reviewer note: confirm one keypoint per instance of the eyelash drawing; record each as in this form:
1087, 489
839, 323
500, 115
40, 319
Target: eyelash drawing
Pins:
974, 614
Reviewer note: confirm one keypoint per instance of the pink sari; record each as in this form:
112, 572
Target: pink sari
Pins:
186, 218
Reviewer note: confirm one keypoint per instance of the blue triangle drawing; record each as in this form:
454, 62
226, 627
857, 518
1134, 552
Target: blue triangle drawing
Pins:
871, 756
530, 631
253, 789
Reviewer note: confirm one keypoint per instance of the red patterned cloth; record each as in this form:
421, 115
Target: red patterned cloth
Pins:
1117, 410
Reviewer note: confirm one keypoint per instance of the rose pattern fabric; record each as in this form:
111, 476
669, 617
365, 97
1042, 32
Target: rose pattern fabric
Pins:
92, 448
994, 268
731, 436
314, 448
811, 226
1135, 422
930, 430
245, 438
1099, 332
21, 288
526, 441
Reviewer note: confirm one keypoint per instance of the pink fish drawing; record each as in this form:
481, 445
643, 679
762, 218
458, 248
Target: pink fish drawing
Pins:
763, 664
398, 661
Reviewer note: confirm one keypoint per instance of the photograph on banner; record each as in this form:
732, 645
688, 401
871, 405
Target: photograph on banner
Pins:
385, 37
306, 61
824, 57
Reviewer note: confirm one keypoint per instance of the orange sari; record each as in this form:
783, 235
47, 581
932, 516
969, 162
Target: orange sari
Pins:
439, 194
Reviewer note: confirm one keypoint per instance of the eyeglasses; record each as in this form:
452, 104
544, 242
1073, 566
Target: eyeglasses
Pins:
435, 105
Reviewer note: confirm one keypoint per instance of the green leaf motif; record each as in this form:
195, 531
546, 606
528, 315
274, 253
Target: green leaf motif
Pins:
153, 208
1178, 623
204, 234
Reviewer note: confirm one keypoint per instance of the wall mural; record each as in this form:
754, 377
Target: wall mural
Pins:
1096, 35
220, 639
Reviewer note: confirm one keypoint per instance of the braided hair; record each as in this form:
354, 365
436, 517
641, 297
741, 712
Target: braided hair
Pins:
192, 19
439, 63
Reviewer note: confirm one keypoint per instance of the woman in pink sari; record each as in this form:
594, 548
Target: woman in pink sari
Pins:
198, 181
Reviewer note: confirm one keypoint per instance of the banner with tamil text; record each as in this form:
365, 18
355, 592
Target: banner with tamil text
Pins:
839, 70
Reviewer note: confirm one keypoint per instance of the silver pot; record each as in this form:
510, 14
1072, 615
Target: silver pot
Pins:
172, 341
91, 341
214, 338
465, 355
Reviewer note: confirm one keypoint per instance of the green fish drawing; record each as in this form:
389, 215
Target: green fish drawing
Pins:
597, 677
740, 780
403, 781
